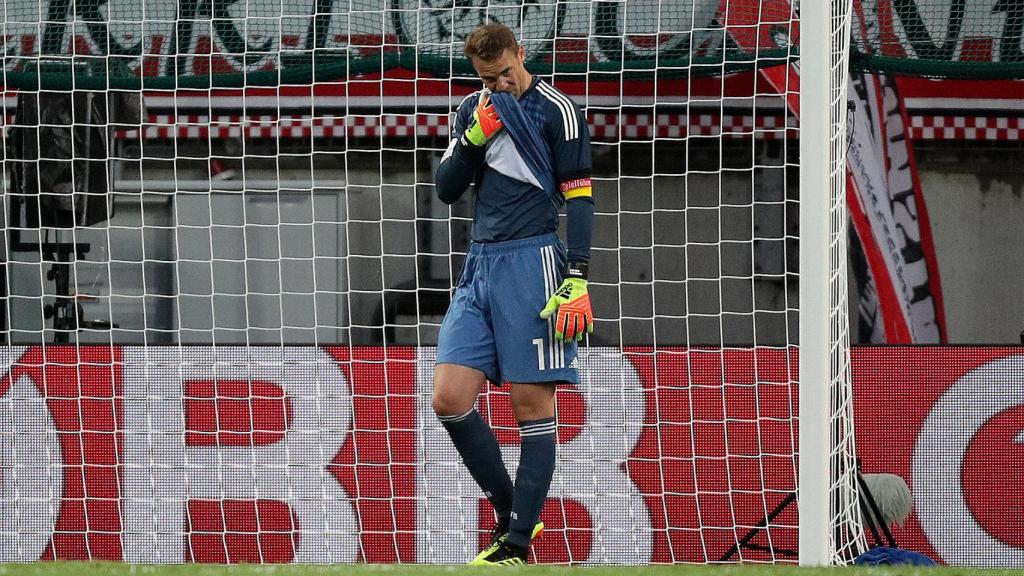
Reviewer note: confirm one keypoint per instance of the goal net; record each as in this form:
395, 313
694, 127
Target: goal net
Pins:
225, 268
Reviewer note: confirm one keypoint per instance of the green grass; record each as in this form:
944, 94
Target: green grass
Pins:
113, 568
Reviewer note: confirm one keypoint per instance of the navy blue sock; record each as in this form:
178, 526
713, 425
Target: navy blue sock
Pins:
479, 449
533, 478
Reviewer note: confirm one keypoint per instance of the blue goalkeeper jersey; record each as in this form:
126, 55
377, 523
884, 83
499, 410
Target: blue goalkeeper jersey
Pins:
510, 199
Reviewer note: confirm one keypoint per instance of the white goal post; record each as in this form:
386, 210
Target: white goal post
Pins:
225, 266
827, 458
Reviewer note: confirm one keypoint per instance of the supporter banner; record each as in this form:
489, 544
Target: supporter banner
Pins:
232, 36
896, 271
180, 454
158, 38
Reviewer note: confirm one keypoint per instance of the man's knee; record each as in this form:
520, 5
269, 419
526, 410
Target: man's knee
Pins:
447, 404
455, 389
533, 401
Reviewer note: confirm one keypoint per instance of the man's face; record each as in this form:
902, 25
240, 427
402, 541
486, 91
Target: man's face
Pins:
503, 74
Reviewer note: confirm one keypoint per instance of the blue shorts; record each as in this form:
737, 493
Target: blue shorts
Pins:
493, 322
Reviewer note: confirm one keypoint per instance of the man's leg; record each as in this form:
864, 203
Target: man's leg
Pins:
455, 392
534, 407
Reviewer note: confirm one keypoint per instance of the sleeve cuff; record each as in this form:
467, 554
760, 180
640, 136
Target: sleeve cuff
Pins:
577, 270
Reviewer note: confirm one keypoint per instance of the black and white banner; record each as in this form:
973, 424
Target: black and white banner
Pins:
893, 255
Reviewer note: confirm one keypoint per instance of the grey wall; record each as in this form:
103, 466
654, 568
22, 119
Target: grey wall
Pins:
690, 247
974, 198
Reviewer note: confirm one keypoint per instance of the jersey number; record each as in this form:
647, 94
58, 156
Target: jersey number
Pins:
556, 353
539, 343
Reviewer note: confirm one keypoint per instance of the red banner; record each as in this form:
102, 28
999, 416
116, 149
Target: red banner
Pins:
302, 454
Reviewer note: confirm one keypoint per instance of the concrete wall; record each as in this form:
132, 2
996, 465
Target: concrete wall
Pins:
692, 246
974, 198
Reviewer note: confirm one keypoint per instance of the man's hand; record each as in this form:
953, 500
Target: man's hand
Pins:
486, 123
572, 302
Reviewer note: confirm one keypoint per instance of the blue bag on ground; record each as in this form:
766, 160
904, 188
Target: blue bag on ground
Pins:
885, 556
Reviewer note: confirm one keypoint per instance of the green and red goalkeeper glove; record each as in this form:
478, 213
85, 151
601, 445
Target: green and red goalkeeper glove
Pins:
572, 303
486, 123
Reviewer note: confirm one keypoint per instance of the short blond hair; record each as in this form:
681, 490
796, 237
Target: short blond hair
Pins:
489, 41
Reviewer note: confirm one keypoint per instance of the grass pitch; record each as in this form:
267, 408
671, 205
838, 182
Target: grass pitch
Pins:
117, 569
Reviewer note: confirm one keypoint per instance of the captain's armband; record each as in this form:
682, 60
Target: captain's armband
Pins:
575, 188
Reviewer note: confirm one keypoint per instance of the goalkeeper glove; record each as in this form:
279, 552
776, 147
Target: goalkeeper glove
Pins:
486, 123
572, 302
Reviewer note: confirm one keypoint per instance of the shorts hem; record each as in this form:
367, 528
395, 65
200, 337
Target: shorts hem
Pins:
569, 377
465, 365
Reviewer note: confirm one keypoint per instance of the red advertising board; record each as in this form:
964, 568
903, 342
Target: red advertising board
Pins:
176, 454
949, 420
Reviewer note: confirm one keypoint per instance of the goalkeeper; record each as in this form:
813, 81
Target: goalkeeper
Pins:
521, 303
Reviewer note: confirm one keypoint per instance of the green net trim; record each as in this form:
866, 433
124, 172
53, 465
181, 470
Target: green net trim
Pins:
937, 68
91, 72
